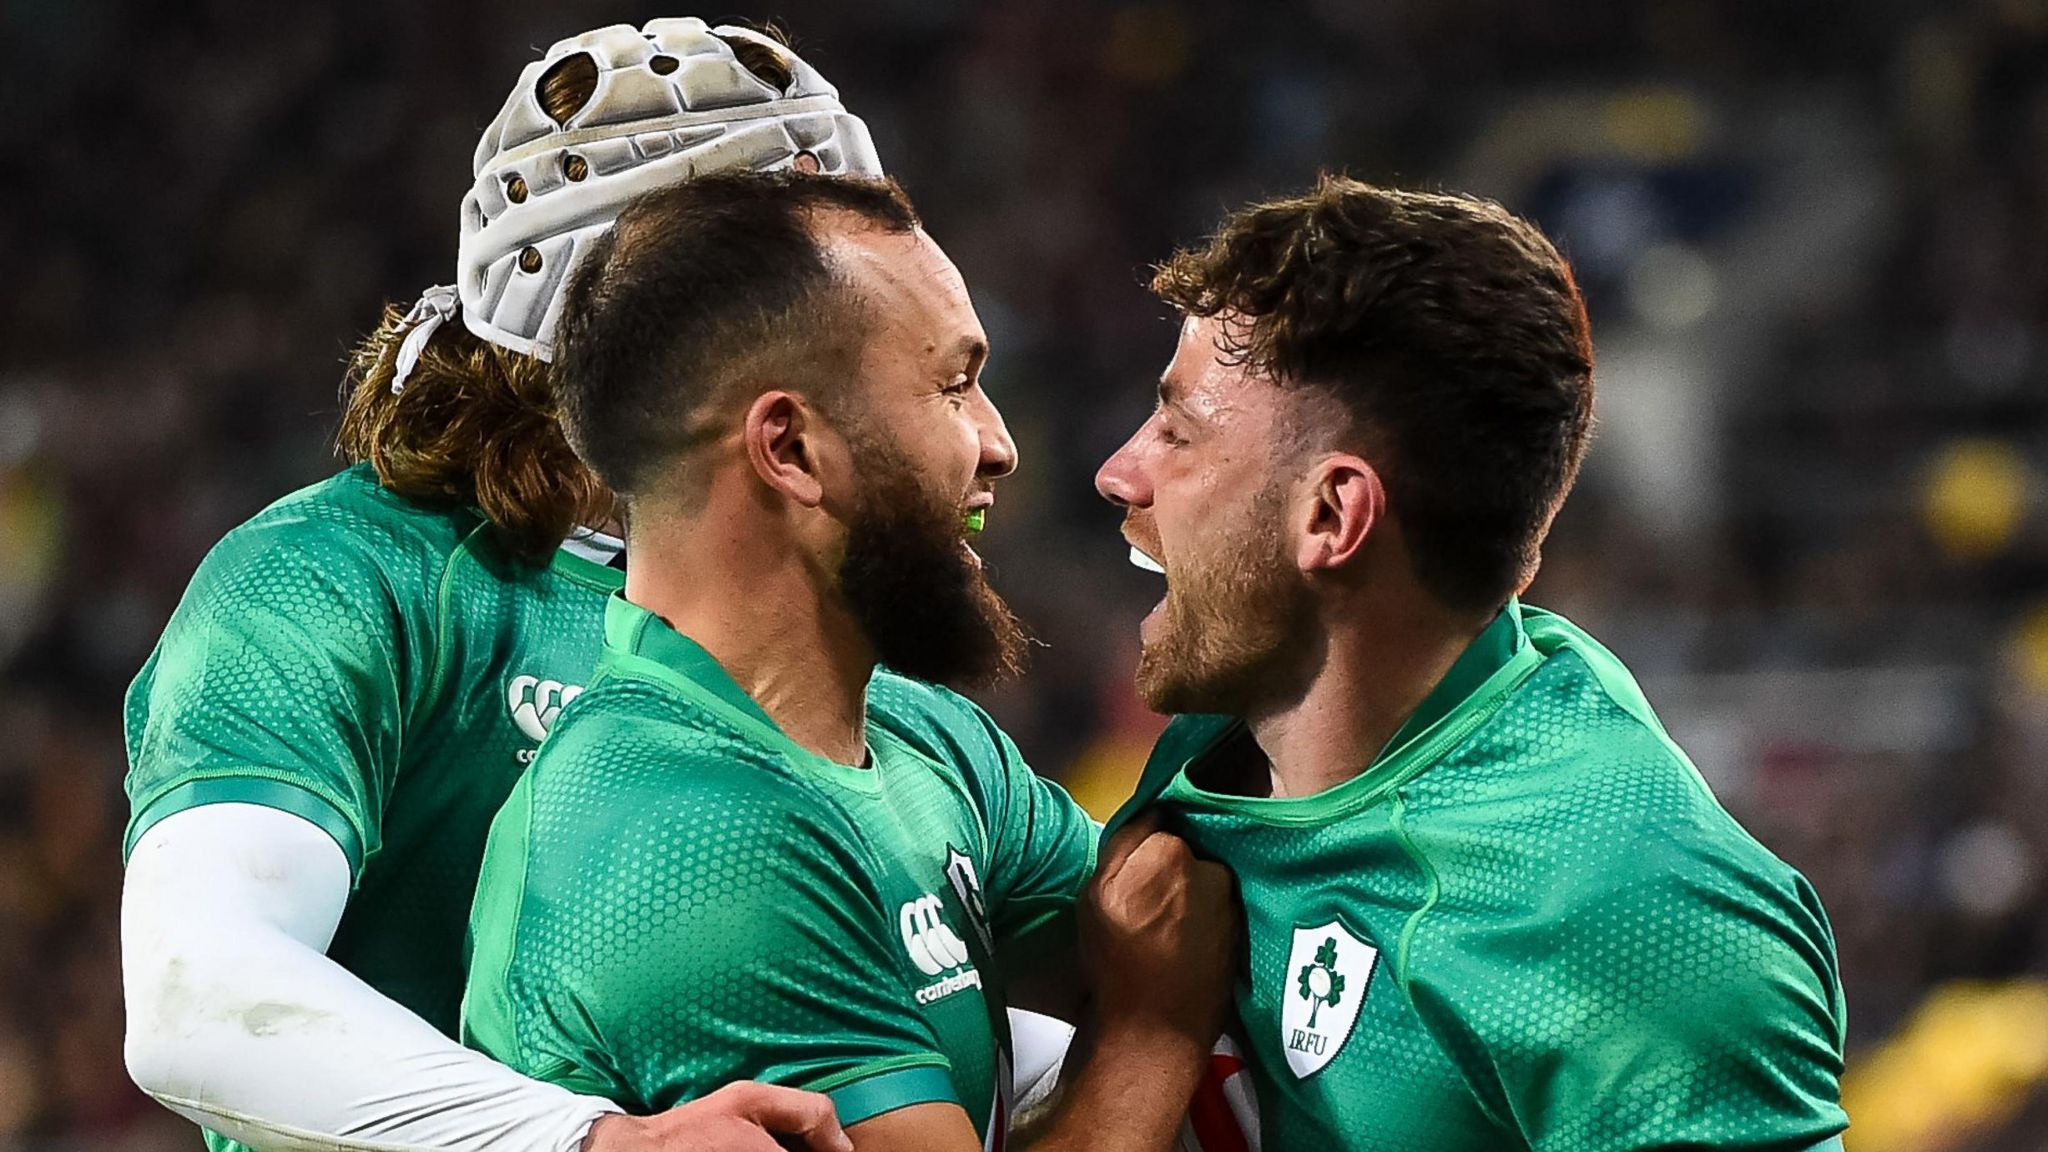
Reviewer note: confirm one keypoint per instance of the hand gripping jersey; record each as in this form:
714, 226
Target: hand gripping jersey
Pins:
678, 896
1527, 925
384, 671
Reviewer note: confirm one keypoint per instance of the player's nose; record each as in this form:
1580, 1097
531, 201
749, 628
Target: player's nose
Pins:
1121, 480
998, 450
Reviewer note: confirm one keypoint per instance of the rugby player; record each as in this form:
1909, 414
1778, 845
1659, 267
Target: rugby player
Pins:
1490, 904
765, 843
356, 676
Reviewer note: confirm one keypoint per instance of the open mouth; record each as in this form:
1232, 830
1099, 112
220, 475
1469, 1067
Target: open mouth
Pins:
1145, 560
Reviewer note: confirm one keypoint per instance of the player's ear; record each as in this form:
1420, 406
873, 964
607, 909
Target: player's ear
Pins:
782, 436
1343, 501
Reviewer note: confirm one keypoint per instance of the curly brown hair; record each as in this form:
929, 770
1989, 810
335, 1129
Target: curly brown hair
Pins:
1451, 332
478, 425
475, 426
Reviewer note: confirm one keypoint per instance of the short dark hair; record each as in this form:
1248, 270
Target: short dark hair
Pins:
699, 287
1449, 330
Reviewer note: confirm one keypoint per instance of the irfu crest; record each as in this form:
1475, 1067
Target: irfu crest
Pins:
1329, 973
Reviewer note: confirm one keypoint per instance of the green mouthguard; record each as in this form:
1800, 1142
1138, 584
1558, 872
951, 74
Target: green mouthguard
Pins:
975, 520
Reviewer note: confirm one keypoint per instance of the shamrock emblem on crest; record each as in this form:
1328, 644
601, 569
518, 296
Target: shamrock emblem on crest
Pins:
1319, 981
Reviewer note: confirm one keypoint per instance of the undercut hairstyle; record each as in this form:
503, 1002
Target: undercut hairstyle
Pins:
476, 424
704, 288
1451, 334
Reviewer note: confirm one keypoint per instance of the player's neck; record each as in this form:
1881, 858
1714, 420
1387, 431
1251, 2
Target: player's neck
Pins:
789, 647
1380, 662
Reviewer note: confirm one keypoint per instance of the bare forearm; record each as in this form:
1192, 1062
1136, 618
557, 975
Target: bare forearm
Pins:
1129, 1095
1158, 934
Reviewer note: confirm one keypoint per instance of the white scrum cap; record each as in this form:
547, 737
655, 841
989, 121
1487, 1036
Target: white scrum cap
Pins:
671, 101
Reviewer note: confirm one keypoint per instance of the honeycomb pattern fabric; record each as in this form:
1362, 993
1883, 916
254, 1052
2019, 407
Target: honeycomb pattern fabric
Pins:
1549, 935
382, 670
678, 896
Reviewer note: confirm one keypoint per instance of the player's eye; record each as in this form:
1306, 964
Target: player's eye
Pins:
958, 386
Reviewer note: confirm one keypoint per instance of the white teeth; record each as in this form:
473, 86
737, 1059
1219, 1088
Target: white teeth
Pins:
1146, 562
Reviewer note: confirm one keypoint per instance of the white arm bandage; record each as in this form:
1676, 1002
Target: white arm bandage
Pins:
238, 1021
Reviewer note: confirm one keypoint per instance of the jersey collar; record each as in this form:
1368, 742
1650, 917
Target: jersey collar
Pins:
1475, 687
630, 630
641, 644
1489, 653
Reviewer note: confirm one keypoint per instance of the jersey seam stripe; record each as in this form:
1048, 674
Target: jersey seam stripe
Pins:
516, 905
992, 827
1398, 823
439, 675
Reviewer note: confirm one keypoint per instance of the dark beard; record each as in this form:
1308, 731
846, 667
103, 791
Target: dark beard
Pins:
921, 601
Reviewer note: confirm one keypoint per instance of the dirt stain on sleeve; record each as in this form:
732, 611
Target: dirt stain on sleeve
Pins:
270, 1017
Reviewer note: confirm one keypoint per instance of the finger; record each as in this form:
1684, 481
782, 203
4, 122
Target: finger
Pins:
1127, 838
1160, 854
1148, 881
797, 1113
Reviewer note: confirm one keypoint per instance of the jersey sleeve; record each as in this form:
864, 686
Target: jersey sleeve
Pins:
684, 919
1041, 850
1691, 1003
280, 681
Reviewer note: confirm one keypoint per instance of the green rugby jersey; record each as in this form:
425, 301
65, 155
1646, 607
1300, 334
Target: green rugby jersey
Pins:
677, 895
383, 670
1527, 925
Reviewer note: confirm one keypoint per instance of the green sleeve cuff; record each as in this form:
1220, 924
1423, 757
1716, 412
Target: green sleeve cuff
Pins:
262, 790
893, 1088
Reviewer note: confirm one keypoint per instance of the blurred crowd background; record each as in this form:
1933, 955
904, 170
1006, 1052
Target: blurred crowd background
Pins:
1814, 237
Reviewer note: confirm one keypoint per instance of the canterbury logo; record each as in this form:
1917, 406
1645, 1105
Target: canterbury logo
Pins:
536, 702
933, 947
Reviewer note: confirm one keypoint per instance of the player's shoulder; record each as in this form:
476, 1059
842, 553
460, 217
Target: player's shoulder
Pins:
1578, 849
651, 790
350, 530
1577, 760
1583, 864
941, 724
643, 750
906, 700
629, 728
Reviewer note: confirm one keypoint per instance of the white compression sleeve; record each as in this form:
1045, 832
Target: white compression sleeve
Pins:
238, 1021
